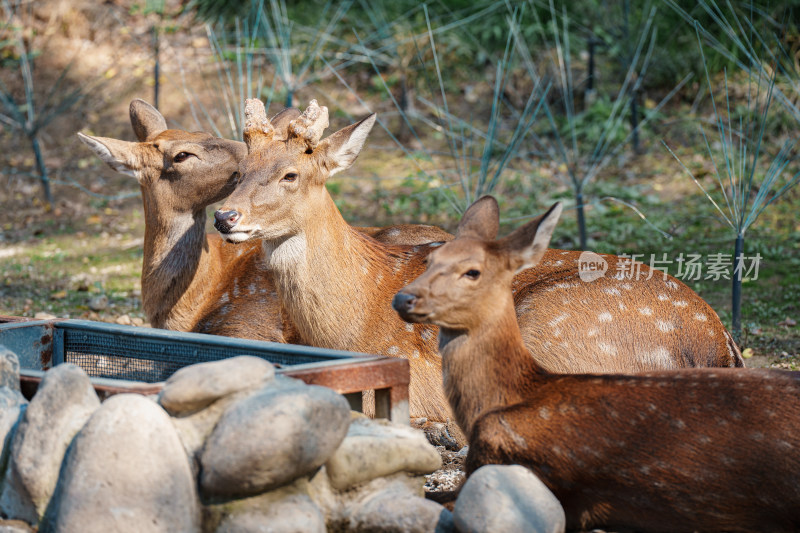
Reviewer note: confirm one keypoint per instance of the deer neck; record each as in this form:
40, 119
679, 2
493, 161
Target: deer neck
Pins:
175, 255
329, 278
485, 367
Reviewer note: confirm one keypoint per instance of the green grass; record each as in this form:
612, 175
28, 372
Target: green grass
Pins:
60, 269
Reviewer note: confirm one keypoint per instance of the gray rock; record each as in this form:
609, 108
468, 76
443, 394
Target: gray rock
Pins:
126, 471
340, 506
194, 428
9, 369
507, 498
15, 526
271, 438
396, 512
378, 448
194, 387
286, 510
11, 399
446, 434
12, 404
64, 401
98, 303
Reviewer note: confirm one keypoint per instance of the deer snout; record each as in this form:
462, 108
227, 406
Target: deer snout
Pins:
403, 302
226, 220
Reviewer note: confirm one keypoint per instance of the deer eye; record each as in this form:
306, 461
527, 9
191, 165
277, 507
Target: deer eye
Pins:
472, 274
290, 176
180, 157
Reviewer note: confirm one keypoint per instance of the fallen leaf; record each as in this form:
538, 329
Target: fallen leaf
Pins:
747, 353
60, 295
94, 219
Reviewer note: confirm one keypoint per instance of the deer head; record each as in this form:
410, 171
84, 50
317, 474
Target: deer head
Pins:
177, 170
284, 174
475, 271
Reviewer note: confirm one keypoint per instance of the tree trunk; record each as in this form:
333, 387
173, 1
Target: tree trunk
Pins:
581, 220
736, 307
42, 169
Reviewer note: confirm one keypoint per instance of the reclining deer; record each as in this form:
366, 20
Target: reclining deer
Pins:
700, 450
336, 284
192, 281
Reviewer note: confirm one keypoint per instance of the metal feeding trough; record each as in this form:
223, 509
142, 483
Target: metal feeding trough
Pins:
133, 359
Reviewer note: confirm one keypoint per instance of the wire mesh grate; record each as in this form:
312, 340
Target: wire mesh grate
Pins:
134, 358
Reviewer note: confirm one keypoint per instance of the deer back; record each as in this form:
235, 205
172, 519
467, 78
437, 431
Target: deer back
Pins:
701, 450
337, 286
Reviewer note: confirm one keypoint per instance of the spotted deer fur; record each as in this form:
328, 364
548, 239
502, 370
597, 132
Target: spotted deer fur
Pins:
336, 284
667, 451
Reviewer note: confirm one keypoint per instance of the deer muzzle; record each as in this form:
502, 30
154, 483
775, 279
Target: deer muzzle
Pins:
403, 303
225, 221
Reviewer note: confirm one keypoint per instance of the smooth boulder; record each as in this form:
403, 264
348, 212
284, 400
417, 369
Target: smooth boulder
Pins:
398, 512
507, 498
9, 369
125, 472
271, 438
63, 403
283, 511
12, 401
194, 387
378, 448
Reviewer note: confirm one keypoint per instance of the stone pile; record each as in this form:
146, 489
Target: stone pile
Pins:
227, 446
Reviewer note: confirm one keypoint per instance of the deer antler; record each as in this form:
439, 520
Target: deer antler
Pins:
257, 127
309, 126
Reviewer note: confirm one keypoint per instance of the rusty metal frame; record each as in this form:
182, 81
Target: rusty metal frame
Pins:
347, 373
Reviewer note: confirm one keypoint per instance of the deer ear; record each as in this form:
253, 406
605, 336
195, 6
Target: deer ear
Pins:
526, 245
117, 154
146, 120
339, 150
481, 220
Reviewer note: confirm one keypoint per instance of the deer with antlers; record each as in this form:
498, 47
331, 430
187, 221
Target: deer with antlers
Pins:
699, 450
336, 284
192, 281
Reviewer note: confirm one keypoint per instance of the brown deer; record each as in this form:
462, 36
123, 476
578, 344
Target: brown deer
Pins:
679, 450
192, 281
336, 284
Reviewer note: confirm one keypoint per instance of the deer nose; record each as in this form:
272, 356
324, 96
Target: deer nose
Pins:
225, 220
403, 301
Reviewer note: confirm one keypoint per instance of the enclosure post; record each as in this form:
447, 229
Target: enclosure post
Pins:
736, 311
581, 220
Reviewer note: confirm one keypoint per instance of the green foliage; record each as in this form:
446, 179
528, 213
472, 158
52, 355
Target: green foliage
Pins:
588, 125
744, 187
